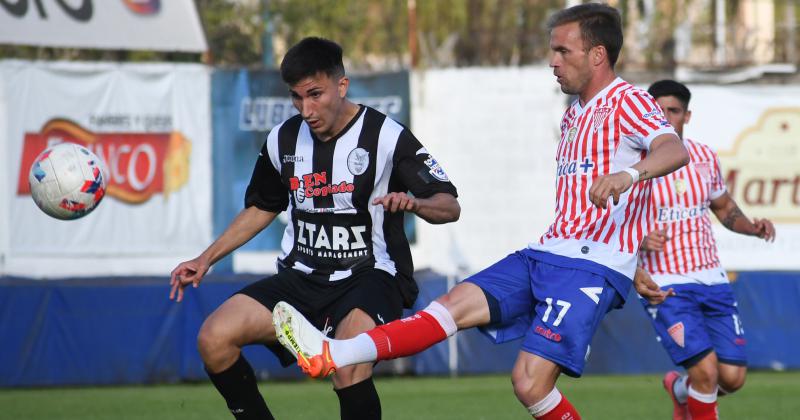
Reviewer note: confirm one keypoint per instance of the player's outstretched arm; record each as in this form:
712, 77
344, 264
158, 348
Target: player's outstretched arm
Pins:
437, 209
666, 155
729, 214
247, 224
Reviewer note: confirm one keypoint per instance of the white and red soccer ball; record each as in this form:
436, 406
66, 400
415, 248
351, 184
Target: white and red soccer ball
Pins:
67, 181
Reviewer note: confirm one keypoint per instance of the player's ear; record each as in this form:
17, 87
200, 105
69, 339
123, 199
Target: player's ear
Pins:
598, 55
344, 83
687, 116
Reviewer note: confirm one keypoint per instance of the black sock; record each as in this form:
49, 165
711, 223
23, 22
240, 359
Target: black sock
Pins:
359, 401
238, 386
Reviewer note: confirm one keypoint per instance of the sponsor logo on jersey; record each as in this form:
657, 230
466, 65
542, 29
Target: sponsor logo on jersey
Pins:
677, 214
600, 115
547, 333
316, 185
574, 167
436, 169
651, 114
331, 241
676, 332
358, 161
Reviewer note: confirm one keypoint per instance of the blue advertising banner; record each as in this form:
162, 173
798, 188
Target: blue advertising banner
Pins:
246, 105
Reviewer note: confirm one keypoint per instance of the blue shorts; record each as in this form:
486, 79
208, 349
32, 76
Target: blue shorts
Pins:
698, 319
556, 308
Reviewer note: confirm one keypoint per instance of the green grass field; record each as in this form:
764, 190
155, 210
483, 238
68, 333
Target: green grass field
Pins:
766, 395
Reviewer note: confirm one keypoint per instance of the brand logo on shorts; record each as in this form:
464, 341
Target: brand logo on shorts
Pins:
547, 333
676, 332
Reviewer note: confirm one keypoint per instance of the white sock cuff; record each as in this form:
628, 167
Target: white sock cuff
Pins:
704, 398
547, 404
443, 317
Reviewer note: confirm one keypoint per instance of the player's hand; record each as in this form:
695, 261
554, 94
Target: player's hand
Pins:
611, 185
655, 240
186, 273
397, 201
764, 229
648, 289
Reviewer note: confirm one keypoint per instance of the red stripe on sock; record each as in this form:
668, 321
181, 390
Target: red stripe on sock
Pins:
699, 410
563, 411
407, 336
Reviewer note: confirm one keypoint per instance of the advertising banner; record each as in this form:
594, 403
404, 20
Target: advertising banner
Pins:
246, 106
150, 125
172, 25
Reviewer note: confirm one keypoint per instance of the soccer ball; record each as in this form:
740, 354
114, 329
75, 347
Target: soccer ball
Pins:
67, 181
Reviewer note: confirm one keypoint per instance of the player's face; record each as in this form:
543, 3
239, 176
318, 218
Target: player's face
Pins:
320, 101
676, 114
569, 58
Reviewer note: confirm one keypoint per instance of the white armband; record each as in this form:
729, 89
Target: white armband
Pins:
633, 173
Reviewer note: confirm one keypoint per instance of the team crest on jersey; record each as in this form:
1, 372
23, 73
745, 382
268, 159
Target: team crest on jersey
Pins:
704, 169
358, 161
680, 186
571, 134
436, 169
600, 115
676, 332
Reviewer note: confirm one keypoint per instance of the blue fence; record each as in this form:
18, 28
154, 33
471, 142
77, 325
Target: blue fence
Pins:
126, 331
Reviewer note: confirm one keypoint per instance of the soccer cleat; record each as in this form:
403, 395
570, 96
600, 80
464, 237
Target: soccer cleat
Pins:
304, 340
679, 411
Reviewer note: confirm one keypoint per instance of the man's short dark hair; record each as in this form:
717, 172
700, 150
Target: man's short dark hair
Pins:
600, 25
309, 57
671, 88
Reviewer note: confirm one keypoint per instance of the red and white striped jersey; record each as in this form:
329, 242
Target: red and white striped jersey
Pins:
680, 204
609, 133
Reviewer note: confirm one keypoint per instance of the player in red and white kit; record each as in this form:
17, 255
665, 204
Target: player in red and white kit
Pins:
700, 326
554, 293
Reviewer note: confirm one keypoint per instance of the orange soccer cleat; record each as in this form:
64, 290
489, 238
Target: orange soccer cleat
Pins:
306, 342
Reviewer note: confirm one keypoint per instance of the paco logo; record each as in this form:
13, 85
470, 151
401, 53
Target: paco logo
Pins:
140, 164
316, 185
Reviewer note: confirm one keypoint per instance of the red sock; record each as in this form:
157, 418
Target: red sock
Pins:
563, 411
699, 410
407, 336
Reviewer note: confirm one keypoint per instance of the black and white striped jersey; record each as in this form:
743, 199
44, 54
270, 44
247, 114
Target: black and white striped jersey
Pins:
328, 188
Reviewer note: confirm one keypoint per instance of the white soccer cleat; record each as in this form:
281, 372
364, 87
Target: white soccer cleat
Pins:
304, 340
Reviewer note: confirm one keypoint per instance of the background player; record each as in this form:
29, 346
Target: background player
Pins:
700, 326
343, 171
556, 291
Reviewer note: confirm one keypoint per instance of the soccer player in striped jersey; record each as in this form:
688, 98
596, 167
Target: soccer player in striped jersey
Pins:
342, 172
700, 326
554, 293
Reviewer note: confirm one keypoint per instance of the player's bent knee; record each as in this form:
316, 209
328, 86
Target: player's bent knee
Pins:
529, 389
732, 380
215, 349
351, 375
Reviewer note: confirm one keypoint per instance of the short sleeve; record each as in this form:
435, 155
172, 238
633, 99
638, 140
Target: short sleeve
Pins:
718, 187
641, 119
266, 191
417, 170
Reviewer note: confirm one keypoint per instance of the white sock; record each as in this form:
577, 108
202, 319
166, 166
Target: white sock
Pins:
680, 390
704, 398
443, 317
547, 404
359, 349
